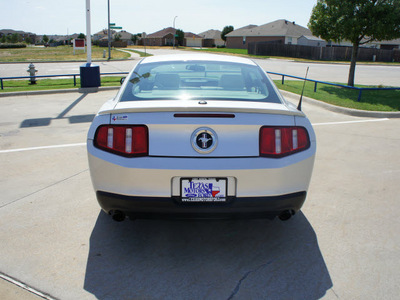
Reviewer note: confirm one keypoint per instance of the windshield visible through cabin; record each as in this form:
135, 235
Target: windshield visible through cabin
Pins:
206, 80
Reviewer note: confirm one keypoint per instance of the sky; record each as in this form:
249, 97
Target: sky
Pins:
64, 17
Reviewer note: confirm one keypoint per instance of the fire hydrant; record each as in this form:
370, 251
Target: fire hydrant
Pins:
32, 71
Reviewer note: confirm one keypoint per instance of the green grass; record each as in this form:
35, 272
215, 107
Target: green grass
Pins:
60, 53
53, 84
383, 100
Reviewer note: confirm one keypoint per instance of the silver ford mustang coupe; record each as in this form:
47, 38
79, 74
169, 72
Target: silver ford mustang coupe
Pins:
200, 136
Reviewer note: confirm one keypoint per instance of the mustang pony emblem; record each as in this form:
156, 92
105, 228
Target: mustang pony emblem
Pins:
204, 140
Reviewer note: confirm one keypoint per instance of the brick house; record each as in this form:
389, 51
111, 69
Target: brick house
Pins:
192, 40
23, 35
164, 37
212, 38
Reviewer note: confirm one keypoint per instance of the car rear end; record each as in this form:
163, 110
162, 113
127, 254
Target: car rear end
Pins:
199, 156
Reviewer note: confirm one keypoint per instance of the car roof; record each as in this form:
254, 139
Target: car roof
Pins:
198, 57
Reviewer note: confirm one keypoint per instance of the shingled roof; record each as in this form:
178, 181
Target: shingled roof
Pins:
276, 28
211, 34
192, 35
162, 33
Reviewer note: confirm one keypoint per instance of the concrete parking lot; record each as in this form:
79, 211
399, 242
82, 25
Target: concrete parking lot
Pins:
344, 244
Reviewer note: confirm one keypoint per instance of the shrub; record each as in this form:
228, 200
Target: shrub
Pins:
9, 46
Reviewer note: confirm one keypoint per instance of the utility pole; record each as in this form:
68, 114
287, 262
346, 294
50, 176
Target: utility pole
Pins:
88, 34
173, 42
89, 73
109, 32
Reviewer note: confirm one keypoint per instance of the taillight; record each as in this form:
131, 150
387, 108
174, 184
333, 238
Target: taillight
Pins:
125, 140
279, 141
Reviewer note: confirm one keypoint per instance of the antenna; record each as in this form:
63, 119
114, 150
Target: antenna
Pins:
302, 92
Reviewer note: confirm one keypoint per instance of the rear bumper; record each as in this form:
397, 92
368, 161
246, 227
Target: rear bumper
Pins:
170, 207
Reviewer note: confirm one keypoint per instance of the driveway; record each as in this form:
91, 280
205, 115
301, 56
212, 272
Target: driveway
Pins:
344, 243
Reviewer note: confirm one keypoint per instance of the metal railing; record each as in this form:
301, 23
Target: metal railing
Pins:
52, 76
316, 82
360, 89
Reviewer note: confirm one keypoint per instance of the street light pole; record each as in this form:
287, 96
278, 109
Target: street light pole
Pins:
174, 34
89, 73
108, 31
88, 34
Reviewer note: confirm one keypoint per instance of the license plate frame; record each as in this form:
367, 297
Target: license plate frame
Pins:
204, 190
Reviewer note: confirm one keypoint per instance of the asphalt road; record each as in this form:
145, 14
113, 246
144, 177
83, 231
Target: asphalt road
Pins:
365, 74
344, 244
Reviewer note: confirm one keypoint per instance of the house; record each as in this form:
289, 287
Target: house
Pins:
384, 45
307, 40
192, 40
125, 36
102, 34
164, 37
212, 38
23, 36
280, 31
388, 45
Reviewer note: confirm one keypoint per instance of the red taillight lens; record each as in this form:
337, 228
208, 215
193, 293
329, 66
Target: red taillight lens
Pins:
279, 141
125, 140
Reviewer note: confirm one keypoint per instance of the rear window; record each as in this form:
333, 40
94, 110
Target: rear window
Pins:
199, 80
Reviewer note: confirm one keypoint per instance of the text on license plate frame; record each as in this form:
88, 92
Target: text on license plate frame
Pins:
204, 189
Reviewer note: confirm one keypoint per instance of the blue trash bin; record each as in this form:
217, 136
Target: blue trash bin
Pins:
90, 75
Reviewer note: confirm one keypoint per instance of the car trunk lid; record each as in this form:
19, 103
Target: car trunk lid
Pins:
182, 131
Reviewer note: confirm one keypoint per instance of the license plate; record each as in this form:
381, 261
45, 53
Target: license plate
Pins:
203, 190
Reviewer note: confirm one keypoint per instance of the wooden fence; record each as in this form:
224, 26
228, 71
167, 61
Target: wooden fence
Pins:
323, 53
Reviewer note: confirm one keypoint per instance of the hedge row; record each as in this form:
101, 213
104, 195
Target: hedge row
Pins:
9, 46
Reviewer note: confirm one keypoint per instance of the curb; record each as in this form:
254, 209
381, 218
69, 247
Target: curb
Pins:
49, 92
342, 110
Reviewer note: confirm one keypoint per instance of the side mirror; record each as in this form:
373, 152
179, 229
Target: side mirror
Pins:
122, 80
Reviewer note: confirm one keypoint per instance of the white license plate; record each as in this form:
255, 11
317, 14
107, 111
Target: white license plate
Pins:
203, 189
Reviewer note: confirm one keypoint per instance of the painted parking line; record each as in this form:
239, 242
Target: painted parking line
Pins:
351, 122
84, 144
43, 147
25, 287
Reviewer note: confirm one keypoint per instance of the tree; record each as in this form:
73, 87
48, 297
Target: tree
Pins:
358, 21
45, 39
134, 38
81, 36
15, 38
225, 31
117, 37
180, 35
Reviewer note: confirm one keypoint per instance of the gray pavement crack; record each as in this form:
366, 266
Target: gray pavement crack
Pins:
243, 278
44, 188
